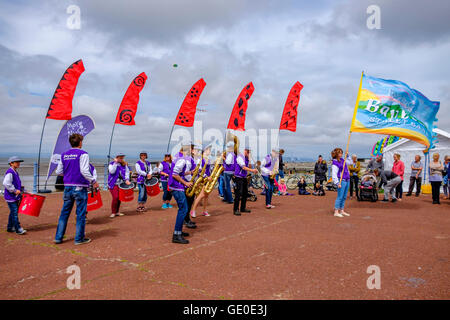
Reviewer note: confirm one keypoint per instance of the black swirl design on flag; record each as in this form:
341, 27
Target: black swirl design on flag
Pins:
126, 116
139, 81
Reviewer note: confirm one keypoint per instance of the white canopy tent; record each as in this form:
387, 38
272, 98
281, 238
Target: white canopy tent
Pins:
408, 149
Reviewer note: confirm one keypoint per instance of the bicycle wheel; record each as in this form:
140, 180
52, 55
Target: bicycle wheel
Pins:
292, 181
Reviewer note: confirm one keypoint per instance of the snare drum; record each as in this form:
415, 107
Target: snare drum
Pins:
126, 192
152, 186
31, 204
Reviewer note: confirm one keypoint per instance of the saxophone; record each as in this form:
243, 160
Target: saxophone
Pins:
190, 190
215, 174
275, 170
198, 185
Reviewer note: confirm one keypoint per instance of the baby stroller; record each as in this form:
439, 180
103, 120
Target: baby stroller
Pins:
368, 188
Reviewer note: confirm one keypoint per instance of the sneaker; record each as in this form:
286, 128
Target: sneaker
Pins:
394, 200
408, 194
206, 214
385, 200
113, 215
164, 206
272, 206
57, 241
337, 214
11, 230
119, 214
269, 207
21, 231
84, 241
345, 214
193, 215
236, 213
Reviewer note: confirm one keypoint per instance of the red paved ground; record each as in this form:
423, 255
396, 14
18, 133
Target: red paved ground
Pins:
296, 251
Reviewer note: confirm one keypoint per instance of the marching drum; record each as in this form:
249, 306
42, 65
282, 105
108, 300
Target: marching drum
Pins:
152, 186
94, 200
31, 204
126, 192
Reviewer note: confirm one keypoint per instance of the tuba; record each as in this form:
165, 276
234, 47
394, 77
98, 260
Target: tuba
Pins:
215, 174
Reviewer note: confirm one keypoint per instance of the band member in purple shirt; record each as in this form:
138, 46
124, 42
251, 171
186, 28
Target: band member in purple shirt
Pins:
164, 172
74, 166
178, 184
13, 188
144, 170
118, 173
241, 170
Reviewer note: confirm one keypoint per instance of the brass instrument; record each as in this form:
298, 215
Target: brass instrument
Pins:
275, 170
190, 190
236, 145
199, 183
215, 174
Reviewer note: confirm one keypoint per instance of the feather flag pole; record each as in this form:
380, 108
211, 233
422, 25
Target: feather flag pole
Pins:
186, 113
289, 117
61, 104
128, 106
237, 116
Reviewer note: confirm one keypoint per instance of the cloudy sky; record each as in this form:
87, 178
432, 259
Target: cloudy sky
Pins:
323, 44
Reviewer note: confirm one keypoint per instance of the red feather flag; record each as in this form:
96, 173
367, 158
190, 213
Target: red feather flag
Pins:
61, 105
289, 117
237, 117
129, 104
186, 114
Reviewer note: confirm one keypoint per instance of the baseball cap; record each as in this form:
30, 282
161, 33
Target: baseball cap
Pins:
15, 159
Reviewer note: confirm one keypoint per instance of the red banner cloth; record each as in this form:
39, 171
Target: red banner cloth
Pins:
61, 105
186, 114
289, 117
129, 104
237, 117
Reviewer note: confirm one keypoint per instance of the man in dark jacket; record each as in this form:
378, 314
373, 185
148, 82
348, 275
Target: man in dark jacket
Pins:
320, 171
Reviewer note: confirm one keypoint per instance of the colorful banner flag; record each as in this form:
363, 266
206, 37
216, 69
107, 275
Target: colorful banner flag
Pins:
289, 117
392, 107
61, 105
81, 124
237, 117
186, 114
130, 101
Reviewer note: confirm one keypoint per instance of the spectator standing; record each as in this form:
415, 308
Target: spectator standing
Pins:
436, 170
416, 176
355, 175
398, 168
320, 170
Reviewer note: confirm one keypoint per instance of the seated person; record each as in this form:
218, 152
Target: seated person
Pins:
367, 182
318, 190
302, 187
282, 188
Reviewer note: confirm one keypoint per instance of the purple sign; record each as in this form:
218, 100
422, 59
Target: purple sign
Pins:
81, 124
